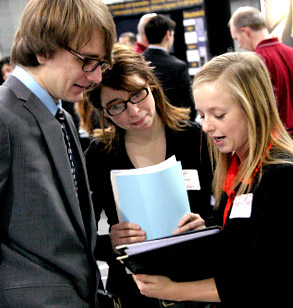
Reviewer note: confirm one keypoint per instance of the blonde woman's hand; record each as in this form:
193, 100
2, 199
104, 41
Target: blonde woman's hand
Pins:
156, 286
190, 221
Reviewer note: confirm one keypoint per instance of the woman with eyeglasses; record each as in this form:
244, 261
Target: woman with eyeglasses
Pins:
140, 128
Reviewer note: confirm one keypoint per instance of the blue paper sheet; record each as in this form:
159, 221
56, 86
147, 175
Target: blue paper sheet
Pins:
155, 201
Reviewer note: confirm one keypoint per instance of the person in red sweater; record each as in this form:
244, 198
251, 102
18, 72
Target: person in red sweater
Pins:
248, 27
142, 41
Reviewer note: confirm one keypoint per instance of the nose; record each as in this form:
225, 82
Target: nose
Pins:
95, 76
132, 109
207, 125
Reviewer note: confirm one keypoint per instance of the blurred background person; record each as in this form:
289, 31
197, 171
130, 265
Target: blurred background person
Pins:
128, 38
5, 68
171, 71
248, 27
85, 123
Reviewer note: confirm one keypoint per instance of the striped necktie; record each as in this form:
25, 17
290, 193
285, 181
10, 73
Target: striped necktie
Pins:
60, 117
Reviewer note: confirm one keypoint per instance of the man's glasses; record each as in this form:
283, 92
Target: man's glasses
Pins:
116, 109
89, 64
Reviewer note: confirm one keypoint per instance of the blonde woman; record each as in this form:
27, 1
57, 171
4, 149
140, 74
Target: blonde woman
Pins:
252, 187
140, 128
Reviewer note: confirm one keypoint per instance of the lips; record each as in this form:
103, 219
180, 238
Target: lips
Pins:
82, 87
218, 140
138, 122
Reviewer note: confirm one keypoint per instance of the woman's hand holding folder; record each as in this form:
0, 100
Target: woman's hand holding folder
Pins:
164, 288
189, 222
126, 233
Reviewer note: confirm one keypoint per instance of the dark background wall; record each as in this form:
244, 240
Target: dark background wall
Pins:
218, 14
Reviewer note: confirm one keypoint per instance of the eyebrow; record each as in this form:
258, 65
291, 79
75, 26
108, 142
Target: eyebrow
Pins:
113, 100
92, 56
213, 109
96, 57
121, 100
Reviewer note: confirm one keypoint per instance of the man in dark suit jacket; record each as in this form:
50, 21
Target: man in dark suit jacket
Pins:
171, 71
47, 225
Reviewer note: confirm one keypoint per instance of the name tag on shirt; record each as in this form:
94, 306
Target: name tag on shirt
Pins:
191, 179
242, 206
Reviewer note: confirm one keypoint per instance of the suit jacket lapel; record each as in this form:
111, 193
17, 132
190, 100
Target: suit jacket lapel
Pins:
55, 142
54, 138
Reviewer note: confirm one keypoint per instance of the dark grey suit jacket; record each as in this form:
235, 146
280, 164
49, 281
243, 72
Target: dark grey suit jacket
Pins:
47, 242
173, 75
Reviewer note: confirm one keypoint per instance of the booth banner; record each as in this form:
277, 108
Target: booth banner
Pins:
196, 39
148, 6
279, 16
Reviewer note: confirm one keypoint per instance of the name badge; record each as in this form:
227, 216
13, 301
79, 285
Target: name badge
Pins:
191, 179
242, 206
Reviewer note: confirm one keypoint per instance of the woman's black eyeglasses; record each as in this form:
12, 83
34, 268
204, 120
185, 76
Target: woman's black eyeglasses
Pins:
89, 64
116, 109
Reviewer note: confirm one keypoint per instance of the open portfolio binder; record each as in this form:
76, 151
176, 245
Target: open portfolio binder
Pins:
184, 257
155, 197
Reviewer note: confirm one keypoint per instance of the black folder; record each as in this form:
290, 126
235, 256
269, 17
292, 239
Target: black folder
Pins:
184, 257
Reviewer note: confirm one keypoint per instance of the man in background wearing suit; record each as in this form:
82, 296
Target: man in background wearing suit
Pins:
171, 71
47, 225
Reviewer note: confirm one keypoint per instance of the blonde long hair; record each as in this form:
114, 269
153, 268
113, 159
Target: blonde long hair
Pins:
126, 63
245, 77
